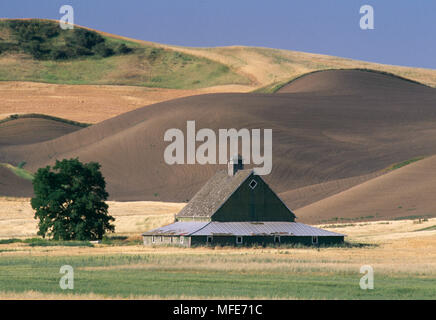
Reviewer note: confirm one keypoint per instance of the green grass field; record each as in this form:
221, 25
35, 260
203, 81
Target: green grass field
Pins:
145, 65
168, 71
203, 275
20, 172
404, 163
400, 253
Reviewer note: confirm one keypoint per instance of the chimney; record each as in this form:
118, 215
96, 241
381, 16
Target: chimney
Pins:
235, 163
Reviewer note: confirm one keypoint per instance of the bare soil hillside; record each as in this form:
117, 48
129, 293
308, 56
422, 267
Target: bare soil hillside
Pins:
32, 130
406, 192
318, 137
12, 185
346, 82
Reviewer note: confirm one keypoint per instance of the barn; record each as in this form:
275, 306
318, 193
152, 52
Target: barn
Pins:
237, 207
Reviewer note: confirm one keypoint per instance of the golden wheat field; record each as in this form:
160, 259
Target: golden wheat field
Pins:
16, 216
390, 246
85, 103
402, 254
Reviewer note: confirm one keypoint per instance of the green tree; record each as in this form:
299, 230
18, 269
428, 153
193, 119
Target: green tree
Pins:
87, 39
70, 201
123, 49
103, 50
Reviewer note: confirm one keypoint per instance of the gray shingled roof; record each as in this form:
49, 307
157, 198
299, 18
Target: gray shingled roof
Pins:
177, 228
241, 229
214, 193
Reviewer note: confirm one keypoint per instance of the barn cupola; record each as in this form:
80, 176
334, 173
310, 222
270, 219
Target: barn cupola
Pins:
235, 163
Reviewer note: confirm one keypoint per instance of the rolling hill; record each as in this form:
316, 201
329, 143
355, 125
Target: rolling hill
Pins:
338, 124
332, 82
28, 129
25, 130
326, 141
150, 73
38, 50
402, 193
163, 66
12, 185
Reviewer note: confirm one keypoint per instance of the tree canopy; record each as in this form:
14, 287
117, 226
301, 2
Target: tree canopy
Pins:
45, 40
69, 201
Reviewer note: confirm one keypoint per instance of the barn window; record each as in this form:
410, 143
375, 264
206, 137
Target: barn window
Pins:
153, 240
209, 239
182, 238
161, 239
238, 240
253, 184
315, 240
276, 239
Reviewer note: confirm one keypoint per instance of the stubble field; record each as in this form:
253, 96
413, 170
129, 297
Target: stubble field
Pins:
400, 252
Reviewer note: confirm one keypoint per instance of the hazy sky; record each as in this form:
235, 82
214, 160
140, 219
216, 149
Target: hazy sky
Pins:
404, 34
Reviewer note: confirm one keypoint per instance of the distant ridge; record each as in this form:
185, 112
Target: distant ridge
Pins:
33, 128
43, 116
248, 68
298, 85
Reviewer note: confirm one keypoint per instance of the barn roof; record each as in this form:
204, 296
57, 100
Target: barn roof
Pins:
177, 228
214, 193
241, 229
262, 228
